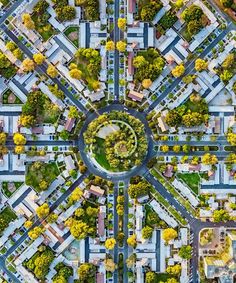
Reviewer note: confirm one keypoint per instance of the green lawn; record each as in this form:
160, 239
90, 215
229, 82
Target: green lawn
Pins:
190, 179
162, 277
44, 28
6, 191
67, 33
48, 172
100, 154
7, 215
6, 94
4, 2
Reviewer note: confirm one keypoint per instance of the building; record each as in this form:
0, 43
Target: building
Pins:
136, 96
96, 190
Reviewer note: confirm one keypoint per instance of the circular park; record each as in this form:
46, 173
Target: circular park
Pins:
116, 141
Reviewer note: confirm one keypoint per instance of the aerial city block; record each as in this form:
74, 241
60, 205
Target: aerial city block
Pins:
117, 141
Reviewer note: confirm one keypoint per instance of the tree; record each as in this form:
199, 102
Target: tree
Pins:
209, 159
173, 118
121, 46
179, 4
110, 243
3, 138
139, 61
164, 148
110, 265
52, 71
19, 139
131, 260
110, 45
141, 188
28, 65
78, 228
229, 61
147, 232
185, 252
121, 23
27, 120
146, 83
73, 112
176, 148
188, 79
150, 277
169, 234
132, 241
227, 3
19, 149
35, 232
52, 218
87, 272
178, 71
75, 195
11, 45
28, 22
174, 270
226, 75
221, 215
43, 185
171, 280
43, 210
65, 13
39, 58
200, 65
28, 224
231, 137
18, 54
75, 74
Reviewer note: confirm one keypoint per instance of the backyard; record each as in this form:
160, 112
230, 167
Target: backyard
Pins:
100, 154
9, 188
9, 97
6, 216
40, 175
192, 180
43, 27
73, 34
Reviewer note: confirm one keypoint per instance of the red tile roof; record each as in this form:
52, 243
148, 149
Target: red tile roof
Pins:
69, 124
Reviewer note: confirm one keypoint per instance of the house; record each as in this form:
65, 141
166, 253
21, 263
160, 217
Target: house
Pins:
162, 124
69, 124
169, 171
69, 163
96, 190
136, 96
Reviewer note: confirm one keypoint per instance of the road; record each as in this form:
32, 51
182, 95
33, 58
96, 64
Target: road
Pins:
116, 38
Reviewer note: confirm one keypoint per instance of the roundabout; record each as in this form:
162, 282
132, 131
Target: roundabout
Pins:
115, 141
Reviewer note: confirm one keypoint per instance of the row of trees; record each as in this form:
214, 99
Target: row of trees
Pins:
120, 46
